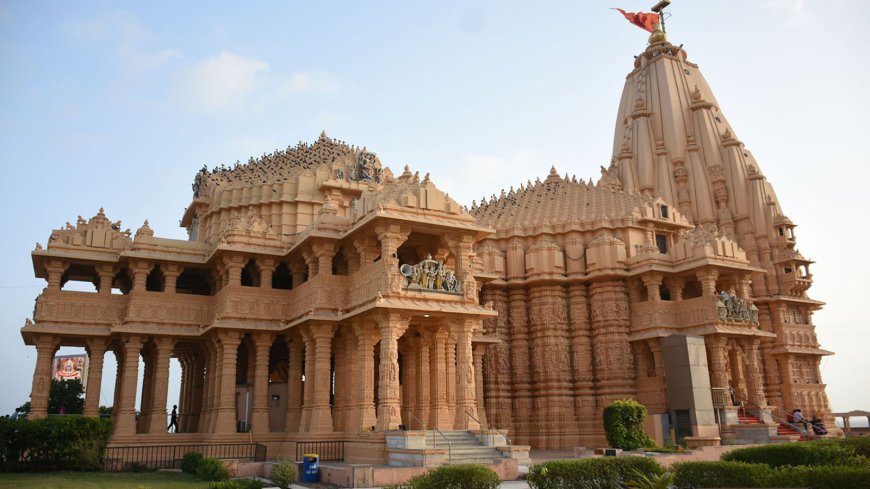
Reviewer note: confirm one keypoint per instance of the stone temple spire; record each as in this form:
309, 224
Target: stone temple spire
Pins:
672, 140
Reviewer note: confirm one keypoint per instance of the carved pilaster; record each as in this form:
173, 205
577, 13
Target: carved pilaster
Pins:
364, 409
296, 352
45, 348
260, 407
614, 366
465, 382
321, 415
225, 413
522, 396
391, 326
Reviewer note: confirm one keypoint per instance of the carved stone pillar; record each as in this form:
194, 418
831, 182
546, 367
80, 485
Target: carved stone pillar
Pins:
450, 354
210, 380
324, 251
55, 269
106, 274
310, 263
718, 358
163, 349
197, 361
364, 417
225, 419
550, 362
321, 413
708, 281
308, 385
392, 326
293, 415
614, 365
424, 399
391, 237
522, 396
140, 271
45, 348
260, 406
675, 287
439, 412
466, 391
581, 351
171, 272
297, 269
266, 267
408, 373
96, 352
125, 424
478, 350
653, 285
184, 397
497, 385
754, 383
770, 320
234, 265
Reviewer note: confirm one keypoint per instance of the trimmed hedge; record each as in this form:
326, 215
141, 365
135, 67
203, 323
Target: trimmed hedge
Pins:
591, 473
800, 453
696, 475
283, 474
212, 469
462, 476
623, 425
53, 443
692, 475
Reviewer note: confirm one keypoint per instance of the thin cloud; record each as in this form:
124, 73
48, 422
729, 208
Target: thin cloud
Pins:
221, 82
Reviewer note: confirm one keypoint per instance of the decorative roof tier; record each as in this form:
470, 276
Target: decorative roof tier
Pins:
558, 200
283, 165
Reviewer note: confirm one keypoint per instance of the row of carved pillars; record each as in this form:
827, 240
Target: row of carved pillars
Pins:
735, 363
550, 395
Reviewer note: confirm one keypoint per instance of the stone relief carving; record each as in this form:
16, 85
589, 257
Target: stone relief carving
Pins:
430, 274
729, 307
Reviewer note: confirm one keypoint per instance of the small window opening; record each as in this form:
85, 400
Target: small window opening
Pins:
781, 232
282, 278
662, 243
665, 212
251, 274
787, 270
154, 281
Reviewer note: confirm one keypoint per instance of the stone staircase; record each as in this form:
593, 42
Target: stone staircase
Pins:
465, 448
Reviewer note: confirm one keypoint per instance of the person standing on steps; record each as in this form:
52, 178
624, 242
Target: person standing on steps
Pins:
173, 420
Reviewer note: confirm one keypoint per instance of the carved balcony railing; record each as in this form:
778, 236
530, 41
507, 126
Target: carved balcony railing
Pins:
688, 313
71, 307
238, 302
174, 309
320, 294
366, 284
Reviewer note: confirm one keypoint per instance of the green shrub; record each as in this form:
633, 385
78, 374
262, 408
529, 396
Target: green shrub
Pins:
800, 453
63, 442
283, 474
236, 484
623, 424
462, 476
692, 475
190, 461
820, 477
591, 473
212, 469
860, 445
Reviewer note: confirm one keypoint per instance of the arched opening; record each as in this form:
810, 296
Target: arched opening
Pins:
244, 384
155, 280
692, 289
80, 278
251, 274
279, 364
339, 263
282, 277
194, 281
122, 283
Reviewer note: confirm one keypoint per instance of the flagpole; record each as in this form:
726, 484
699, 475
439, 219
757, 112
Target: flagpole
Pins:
659, 8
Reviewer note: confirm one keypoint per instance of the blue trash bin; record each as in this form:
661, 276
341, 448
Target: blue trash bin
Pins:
310, 467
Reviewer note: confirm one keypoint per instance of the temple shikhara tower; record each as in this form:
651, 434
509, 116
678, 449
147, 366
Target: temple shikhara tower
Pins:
323, 297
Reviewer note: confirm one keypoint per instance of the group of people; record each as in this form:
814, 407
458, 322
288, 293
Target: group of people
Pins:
817, 425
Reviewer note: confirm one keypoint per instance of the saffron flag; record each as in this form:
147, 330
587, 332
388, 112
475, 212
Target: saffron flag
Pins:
644, 20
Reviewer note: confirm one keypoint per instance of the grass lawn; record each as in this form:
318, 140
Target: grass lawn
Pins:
99, 480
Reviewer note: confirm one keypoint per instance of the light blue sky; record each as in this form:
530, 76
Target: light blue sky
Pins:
119, 104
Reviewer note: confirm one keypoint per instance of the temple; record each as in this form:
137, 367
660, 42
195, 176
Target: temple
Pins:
321, 297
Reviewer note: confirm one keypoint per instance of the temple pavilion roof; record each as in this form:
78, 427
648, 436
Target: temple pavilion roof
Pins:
557, 200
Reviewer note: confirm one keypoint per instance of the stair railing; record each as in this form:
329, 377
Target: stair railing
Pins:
502, 433
800, 429
434, 431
